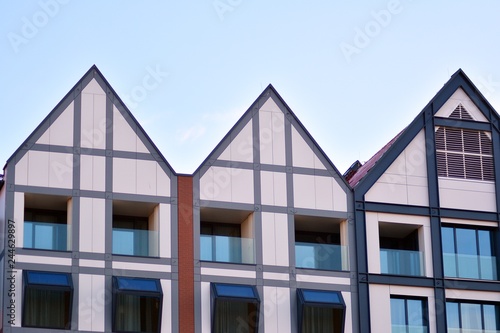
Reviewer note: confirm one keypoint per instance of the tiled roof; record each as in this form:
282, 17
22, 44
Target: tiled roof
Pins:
354, 178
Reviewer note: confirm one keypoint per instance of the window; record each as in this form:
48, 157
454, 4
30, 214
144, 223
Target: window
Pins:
399, 249
47, 300
465, 154
320, 311
46, 224
235, 308
472, 317
135, 228
468, 253
318, 243
408, 315
137, 304
226, 236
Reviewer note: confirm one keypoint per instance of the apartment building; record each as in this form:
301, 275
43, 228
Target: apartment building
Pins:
427, 221
102, 235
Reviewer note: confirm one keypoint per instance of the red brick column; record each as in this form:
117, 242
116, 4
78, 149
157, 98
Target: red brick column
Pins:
186, 254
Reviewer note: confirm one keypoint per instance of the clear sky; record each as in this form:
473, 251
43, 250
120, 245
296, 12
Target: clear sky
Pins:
354, 72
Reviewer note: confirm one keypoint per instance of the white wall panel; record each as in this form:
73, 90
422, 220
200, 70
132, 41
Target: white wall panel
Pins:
302, 154
93, 131
227, 184
348, 312
318, 192
467, 194
276, 309
380, 305
92, 225
165, 231
91, 302
206, 318
228, 272
60, 131
372, 242
146, 177
124, 175
275, 239
22, 170
38, 168
60, 170
19, 218
272, 137
163, 182
241, 147
166, 318
273, 187
92, 173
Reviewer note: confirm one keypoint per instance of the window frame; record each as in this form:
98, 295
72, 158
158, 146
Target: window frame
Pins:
40, 285
303, 302
461, 301
143, 292
425, 308
216, 295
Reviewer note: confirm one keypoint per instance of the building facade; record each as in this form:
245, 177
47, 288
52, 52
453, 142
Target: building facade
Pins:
102, 235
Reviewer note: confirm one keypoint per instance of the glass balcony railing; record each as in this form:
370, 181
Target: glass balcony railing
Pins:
46, 236
470, 330
135, 242
470, 266
321, 256
227, 249
401, 262
409, 329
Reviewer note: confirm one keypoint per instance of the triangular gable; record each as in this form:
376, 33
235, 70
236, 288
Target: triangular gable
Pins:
471, 98
273, 113
57, 128
460, 106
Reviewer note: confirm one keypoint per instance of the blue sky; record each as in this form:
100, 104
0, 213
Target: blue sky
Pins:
354, 73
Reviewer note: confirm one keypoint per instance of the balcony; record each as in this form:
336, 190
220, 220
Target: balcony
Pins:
470, 266
402, 262
227, 249
321, 256
46, 236
134, 242
409, 329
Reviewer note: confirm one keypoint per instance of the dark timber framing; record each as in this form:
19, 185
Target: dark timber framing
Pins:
427, 122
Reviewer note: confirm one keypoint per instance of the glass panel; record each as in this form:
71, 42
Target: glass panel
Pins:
320, 319
51, 279
491, 317
398, 314
468, 261
46, 236
401, 262
46, 308
134, 242
321, 296
485, 247
137, 284
321, 256
471, 316
227, 249
235, 316
234, 290
134, 313
452, 316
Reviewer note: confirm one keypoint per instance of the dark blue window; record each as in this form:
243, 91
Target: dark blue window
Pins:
320, 311
48, 299
235, 308
408, 315
137, 304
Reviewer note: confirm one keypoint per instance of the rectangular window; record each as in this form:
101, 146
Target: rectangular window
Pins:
137, 304
408, 315
468, 253
135, 228
318, 243
47, 225
47, 300
320, 311
472, 317
235, 308
226, 235
399, 249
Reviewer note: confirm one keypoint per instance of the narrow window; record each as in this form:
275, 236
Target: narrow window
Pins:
47, 300
235, 308
320, 311
136, 305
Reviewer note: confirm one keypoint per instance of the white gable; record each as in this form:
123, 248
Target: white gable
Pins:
93, 116
460, 97
60, 131
272, 134
405, 181
124, 136
241, 147
302, 154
